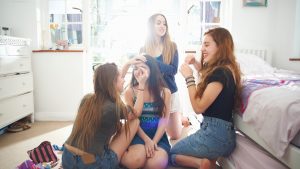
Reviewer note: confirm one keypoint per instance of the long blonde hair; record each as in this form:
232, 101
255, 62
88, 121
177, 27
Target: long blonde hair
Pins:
169, 47
224, 58
91, 107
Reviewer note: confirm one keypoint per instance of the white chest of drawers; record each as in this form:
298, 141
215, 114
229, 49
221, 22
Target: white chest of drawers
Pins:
16, 81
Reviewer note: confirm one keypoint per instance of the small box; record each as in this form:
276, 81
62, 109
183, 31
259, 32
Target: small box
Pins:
5, 31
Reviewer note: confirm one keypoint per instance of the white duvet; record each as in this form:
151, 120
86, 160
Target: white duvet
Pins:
275, 114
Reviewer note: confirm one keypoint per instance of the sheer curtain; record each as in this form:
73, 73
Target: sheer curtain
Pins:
226, 14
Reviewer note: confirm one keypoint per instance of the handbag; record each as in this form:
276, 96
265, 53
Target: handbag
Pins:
42, 153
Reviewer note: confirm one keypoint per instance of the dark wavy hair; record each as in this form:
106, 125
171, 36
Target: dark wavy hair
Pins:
155, 82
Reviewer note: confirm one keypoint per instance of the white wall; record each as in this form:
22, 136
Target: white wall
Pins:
21, 16
272, 26
296, 50
251, 25
283, 35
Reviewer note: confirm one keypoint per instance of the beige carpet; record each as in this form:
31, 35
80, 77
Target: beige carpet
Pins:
13, 146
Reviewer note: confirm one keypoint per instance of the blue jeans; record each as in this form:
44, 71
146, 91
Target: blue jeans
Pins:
108, 160
216, 138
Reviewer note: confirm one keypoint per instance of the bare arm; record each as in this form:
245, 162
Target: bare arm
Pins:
197, 65
125, 69
190, 59
210, 93
134, 60
139, 103
129, 93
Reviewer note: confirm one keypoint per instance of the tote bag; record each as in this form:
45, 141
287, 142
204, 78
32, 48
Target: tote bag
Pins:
42, 153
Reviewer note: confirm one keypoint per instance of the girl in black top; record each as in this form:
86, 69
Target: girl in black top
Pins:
215, 96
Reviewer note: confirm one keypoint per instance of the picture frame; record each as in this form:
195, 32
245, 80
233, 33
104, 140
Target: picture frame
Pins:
255, 3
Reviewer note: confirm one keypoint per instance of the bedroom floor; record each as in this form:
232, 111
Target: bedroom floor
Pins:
13, 146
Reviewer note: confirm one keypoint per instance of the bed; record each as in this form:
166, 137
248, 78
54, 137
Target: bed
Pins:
270, 113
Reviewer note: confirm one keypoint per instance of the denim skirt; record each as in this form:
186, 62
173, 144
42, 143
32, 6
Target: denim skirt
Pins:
216, 138
108, 160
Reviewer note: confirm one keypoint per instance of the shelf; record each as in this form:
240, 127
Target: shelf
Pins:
294, 59
35, 51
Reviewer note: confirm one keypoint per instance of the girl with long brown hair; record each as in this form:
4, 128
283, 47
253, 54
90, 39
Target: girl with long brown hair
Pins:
98, 138
215, 97
159, 45
150, 97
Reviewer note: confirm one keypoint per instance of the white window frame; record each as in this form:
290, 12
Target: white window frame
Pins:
65, 22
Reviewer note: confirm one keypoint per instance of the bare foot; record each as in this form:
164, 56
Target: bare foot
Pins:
185, 121
208, 164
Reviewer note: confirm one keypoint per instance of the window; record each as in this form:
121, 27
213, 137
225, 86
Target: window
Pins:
202, 15
66, 21
118, 27
114, 30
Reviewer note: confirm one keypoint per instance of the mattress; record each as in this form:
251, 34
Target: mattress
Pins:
273, 104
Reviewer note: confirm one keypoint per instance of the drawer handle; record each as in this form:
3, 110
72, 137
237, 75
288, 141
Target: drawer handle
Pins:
21, 65
24, 105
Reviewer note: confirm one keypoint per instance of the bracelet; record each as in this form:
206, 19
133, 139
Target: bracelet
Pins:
140, 89
190, 81
189, 78
193, 84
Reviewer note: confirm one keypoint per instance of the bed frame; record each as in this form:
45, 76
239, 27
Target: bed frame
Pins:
292, 156
263, 53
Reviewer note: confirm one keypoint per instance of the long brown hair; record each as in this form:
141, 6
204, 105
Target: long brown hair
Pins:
224, 58
149, 47
91, 107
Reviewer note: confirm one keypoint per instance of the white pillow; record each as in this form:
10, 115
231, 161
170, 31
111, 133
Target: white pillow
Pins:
251, 64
